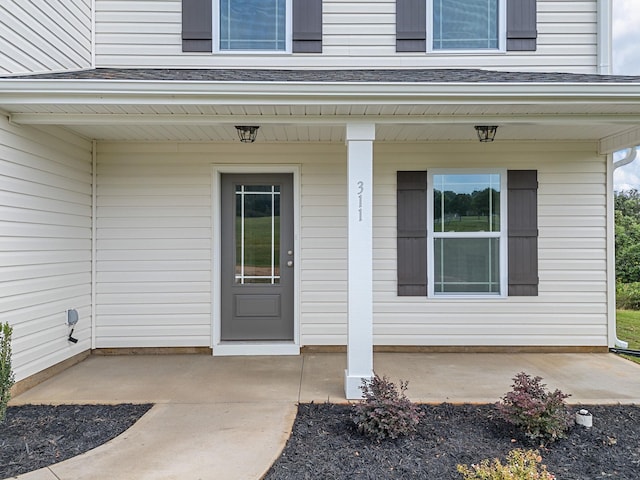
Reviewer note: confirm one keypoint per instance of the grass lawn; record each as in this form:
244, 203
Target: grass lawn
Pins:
628, 325
257, 240
468, 224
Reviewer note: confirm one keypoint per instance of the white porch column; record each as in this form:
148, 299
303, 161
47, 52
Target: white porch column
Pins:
359, 139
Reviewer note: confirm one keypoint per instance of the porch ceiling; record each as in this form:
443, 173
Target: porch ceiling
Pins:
326, 123
607, 113
276, 133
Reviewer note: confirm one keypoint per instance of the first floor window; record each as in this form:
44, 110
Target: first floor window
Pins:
253, 25
466, 24
467, 233
455, 236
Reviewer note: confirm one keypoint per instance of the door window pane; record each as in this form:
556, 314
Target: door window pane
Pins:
467, 265
466, 203
252, 24
465, 24
257, 234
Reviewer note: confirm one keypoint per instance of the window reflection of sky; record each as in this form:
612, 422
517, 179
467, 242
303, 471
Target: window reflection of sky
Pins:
466, 183
252, 24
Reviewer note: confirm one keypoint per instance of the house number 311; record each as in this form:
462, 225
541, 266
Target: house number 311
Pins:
360, 192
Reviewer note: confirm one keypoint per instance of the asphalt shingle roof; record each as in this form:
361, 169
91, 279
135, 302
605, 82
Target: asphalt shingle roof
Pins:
330, 76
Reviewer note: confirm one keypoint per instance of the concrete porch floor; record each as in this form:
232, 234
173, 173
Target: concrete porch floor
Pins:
229, 417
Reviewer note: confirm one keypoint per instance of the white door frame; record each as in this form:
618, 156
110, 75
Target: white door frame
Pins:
252, 348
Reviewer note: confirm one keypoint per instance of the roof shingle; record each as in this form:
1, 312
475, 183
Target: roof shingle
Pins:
332, 76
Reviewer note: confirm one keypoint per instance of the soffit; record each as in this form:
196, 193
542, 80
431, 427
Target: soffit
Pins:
327, 110
335, 133
135, 110
325, 123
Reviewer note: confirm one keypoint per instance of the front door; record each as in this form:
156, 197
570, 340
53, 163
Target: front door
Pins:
257, 257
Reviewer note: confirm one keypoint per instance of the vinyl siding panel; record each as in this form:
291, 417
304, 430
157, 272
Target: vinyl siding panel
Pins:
155, 242
356, 34
154, 250
44, 36
45, 243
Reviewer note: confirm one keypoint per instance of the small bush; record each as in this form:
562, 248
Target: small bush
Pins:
628, 296
521, 465
542, 415
6, 373
385, 411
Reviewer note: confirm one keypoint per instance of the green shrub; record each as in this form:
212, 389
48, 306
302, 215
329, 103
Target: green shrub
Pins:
385, 411
521, 465
6, 373
628, 296
542, 415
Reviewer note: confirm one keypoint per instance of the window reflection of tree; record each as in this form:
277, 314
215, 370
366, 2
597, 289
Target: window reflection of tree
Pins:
480, 203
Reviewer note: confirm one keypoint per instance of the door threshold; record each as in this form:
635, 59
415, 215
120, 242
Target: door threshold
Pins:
255, 348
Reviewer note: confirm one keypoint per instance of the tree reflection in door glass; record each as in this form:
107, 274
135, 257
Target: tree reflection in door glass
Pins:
257, 234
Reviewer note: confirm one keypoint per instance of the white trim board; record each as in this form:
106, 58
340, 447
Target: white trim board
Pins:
255, 348
218, 347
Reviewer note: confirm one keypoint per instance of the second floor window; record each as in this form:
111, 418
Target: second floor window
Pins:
465, 24
253, 25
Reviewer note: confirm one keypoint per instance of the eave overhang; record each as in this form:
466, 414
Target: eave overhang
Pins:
15, 91
73, 102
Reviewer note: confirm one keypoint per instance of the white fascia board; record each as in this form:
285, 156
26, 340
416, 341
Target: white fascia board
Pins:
29, 91
329, 120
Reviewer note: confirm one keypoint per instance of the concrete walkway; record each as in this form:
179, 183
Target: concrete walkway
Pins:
229, 417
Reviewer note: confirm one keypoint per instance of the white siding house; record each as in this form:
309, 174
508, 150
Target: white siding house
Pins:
365, 215
45, 35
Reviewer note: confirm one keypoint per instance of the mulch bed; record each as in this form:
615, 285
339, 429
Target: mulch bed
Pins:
324, 444
35, 436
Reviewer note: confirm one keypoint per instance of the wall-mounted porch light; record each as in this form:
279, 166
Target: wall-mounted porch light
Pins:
246, 133
72, 320
486, 133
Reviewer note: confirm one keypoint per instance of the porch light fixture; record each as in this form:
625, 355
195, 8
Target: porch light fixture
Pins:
486, 133
246, 133
72, 320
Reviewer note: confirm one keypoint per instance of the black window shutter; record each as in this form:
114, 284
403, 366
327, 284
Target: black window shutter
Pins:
412, 233
411, 25
196, 26
307, 26
521, 25
522, 186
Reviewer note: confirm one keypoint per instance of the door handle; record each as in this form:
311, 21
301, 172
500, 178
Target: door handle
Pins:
290, 263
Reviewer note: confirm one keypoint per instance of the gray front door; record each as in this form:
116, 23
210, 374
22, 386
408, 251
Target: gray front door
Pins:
257, 257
